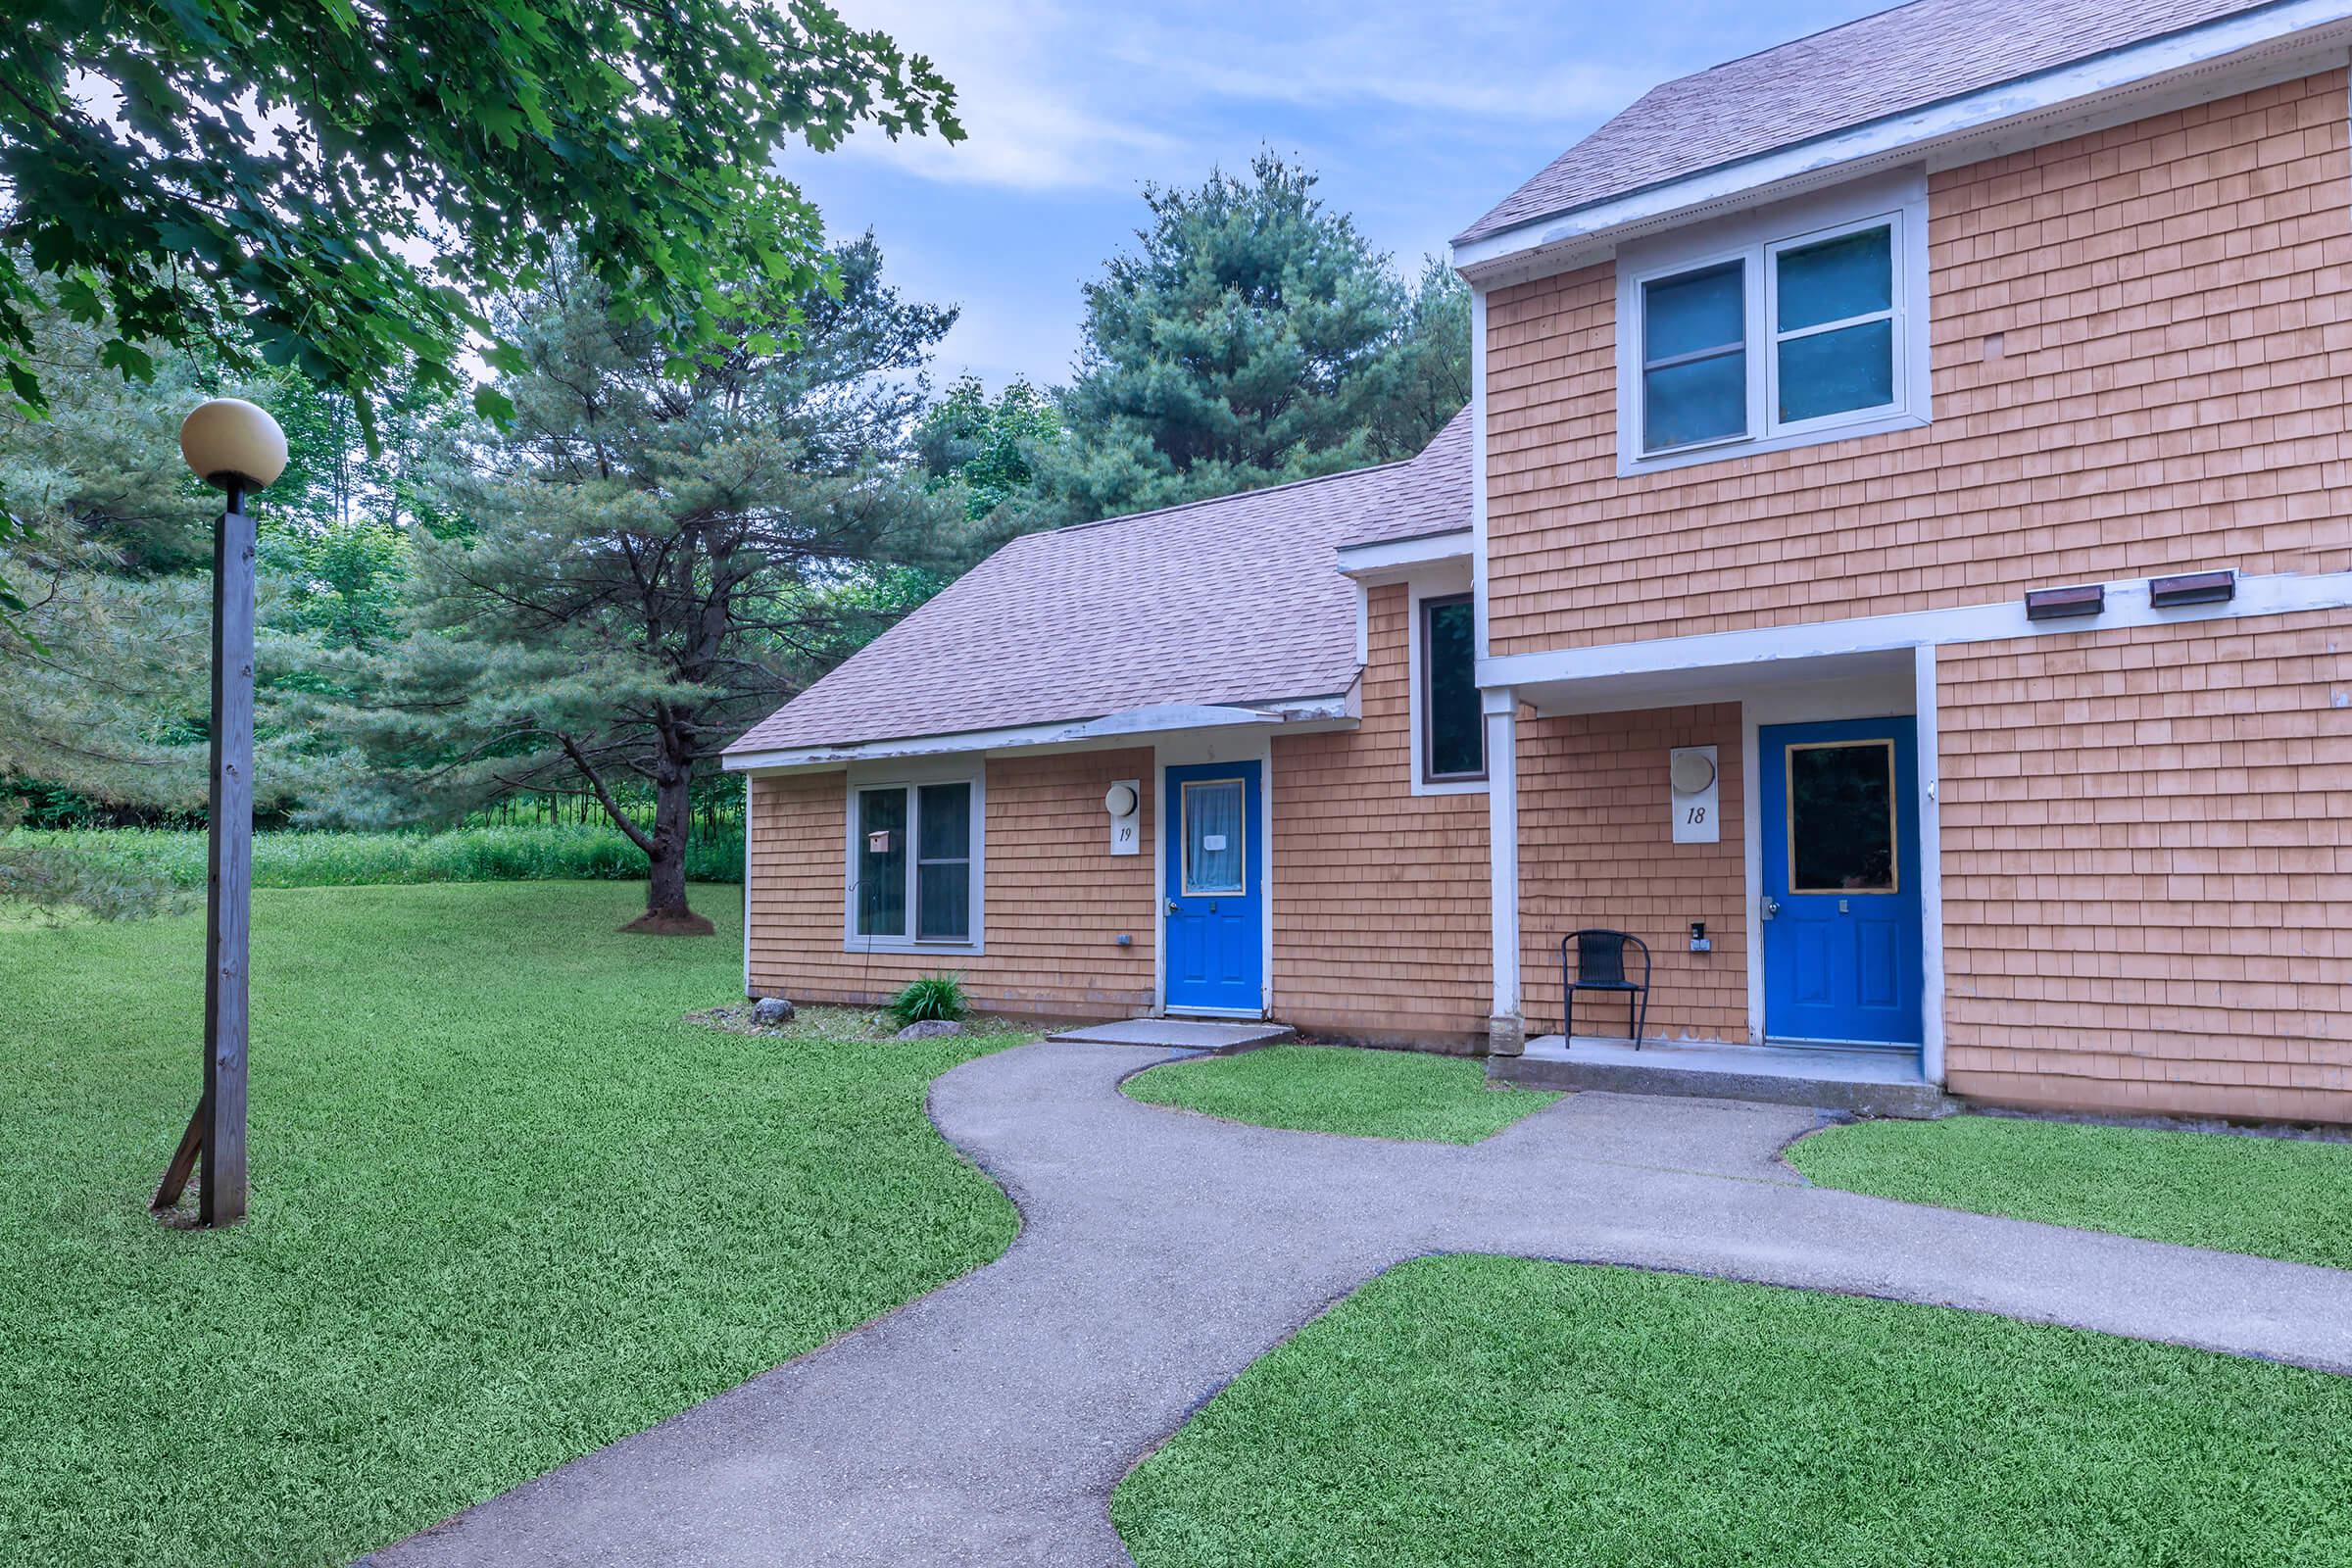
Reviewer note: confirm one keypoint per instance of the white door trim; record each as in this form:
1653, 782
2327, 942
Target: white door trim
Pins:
1824, 702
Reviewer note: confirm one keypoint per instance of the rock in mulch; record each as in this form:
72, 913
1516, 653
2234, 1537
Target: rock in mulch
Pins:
931, 1029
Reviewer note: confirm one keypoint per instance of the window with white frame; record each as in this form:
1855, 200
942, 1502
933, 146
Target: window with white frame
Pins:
1773, 337
914, 869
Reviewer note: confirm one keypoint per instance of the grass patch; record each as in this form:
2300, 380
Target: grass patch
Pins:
508, 1206
1501, 1412
291, 859
1332, 1089
2274, 1197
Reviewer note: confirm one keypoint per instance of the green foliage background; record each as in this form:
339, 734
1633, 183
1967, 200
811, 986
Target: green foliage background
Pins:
707, 464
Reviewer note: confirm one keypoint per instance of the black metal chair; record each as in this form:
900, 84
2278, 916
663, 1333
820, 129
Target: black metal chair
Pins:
1601, 966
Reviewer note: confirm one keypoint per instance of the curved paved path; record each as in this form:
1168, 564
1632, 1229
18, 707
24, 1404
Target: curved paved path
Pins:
1162, 1253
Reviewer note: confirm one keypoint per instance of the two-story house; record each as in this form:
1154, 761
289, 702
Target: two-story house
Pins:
1898, 562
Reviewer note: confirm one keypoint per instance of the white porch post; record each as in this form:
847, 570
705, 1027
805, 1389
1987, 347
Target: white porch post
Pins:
1930, 866
1506, 1026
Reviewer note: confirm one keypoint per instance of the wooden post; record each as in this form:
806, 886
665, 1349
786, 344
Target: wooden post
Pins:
228, 879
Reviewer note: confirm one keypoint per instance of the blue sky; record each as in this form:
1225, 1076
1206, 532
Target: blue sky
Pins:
1418, 117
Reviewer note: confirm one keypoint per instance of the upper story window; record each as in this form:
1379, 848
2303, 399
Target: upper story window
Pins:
1451, 728
1778, 329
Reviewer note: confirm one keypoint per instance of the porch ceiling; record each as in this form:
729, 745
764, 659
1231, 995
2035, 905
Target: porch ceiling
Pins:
1892, 668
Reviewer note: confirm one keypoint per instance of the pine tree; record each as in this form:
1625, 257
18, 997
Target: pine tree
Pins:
650, 561
106, 694
1254, 337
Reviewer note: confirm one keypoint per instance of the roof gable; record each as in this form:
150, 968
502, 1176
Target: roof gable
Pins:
1865, 69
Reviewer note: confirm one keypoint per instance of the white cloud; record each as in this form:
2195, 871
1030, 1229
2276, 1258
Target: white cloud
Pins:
1470, 61
1059, 97
1027, 92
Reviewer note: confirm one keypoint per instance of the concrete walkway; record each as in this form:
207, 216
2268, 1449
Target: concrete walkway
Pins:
1162, 1253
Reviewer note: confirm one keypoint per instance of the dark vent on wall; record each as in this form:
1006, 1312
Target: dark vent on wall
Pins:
2192, 588
2056, 604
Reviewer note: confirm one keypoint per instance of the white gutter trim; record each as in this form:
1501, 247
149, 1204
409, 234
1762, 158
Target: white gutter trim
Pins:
2127, 605
1160, 719
1915, 132
1454, 544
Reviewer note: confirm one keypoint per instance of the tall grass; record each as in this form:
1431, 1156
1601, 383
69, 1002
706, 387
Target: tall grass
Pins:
298, 859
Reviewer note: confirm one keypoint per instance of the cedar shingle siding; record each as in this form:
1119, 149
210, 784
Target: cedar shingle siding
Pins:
1597, 849
1055, 904
2140, 348
2147, 867
1381, 912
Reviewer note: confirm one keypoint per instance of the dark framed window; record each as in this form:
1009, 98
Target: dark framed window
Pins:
914, 860
1453, 732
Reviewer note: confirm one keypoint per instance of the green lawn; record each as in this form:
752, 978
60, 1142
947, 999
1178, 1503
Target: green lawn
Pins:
507, 1208
1498, 1411
2275, 1196
1335, 1089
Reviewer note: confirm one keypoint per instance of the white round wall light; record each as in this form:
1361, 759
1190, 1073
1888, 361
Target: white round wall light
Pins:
1692, 771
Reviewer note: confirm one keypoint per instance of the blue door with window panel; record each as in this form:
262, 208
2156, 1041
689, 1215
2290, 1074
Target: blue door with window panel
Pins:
1841, 908
1216, 870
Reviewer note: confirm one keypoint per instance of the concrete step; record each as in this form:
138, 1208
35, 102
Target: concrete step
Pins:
1192, 1034
1864, 1083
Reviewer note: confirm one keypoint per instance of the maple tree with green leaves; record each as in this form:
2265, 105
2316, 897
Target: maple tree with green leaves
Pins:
334, 185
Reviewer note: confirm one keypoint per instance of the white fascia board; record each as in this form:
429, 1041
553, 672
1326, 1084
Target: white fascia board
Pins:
2279, 41
1362, 562
1110, 729
2127, 605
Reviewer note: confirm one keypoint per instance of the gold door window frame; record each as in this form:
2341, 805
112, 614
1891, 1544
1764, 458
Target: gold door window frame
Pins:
1895, 817
1184, 820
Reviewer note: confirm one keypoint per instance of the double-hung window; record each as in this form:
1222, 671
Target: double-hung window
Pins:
1832, 303
1775, 337
912, 853
1694, 357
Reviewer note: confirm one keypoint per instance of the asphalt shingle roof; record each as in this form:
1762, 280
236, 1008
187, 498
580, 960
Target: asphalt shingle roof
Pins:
1430, 495
1877, 66
1230, 601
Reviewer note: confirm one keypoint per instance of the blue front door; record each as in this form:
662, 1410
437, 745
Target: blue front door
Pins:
1215, 860
1841, 905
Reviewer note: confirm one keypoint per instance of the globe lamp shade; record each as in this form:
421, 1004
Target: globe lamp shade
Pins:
233, 444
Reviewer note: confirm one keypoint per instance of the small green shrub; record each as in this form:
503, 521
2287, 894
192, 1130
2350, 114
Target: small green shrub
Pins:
933, 996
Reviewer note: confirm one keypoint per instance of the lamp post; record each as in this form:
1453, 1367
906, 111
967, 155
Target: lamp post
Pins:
235, 446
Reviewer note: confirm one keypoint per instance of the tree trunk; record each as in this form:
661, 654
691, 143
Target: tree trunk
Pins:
666, 910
